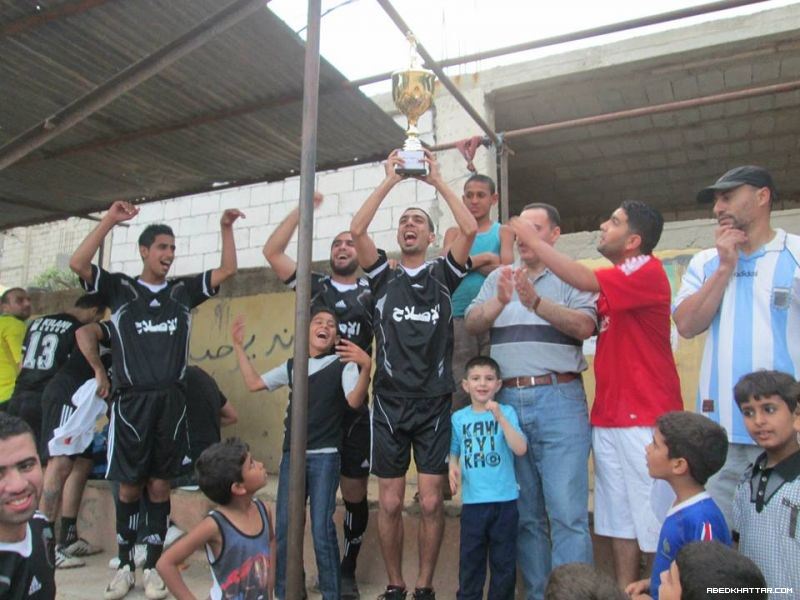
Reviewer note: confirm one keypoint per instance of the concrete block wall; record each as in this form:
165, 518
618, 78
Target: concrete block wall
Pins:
25, 252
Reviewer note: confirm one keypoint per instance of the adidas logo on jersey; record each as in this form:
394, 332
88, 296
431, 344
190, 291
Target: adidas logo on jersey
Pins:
155, 303
341, 304
35, 586
186, 460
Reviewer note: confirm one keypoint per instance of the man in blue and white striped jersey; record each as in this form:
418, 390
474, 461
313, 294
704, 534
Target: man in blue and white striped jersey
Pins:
746, 292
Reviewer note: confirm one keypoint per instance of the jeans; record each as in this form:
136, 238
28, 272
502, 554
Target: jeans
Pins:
553, 478
322, 480
488, 526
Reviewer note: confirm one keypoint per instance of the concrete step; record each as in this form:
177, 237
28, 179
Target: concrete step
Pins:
96, 524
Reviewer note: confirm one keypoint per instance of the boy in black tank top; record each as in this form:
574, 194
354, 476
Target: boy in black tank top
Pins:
335, 380
238, 536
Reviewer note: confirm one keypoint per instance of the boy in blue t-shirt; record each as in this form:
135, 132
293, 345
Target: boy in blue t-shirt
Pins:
485, 437
686, 450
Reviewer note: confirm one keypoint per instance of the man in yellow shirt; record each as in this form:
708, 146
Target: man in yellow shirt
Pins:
15, 305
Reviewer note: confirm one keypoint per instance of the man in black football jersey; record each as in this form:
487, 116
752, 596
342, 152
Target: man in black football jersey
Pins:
48, 343
26, 540
149, 334
413, 379
350, 298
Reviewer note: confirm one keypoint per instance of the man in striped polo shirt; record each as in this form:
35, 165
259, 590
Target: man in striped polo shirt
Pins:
746, 292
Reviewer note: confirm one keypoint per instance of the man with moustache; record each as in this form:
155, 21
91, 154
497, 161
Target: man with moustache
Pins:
350, 298
26, 541
746, 293
537, 324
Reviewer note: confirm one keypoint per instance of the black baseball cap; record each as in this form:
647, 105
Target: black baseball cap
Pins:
747, 175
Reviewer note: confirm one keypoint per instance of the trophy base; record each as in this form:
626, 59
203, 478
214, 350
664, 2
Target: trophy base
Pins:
414, 163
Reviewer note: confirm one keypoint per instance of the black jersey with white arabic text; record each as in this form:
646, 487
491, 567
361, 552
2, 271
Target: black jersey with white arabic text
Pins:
27, 568
149, 331
413, 327
49, 341
353, 306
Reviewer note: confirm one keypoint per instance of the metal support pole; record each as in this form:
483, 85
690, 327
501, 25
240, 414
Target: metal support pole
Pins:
431, 64
297, 450
125, 80
502, 155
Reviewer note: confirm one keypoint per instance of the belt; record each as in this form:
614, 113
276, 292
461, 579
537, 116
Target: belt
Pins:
521, 382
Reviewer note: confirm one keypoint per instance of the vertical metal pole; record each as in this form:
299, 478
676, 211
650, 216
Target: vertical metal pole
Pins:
297, 451
503, 156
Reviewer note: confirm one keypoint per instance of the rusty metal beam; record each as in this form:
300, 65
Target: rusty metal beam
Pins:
655, 109
433, 66
61, 11
644, 111
124, 81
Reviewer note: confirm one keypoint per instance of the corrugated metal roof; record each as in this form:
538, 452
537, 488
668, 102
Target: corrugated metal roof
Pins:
229, 111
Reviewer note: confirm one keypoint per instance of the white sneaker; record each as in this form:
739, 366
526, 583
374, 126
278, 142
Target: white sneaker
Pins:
154, 588
174, 533
139, 556
119, 586
81, 547
65, 561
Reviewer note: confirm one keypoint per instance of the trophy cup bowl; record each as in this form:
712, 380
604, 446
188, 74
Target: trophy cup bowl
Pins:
412, 91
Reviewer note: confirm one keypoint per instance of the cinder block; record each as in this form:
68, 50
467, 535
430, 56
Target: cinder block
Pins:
321, 249
738, 76
291, 189
250, 258
191, 226
201, 244
279, 210
211, 260
258, 235
187, 265
241, 236
203, 204
152, 212
256, 215
331, 226
711, 82
383, 220
659, 91
336, 181
235, 198
368, 178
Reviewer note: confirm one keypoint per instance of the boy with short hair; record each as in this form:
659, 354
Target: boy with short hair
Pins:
493, 246
338, 376
686, 450
767, 501
485, 438
237, 536
700, 566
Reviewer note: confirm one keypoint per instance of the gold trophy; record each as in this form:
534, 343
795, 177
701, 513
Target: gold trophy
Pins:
412, 91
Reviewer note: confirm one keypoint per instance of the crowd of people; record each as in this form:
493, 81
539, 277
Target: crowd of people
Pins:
474, 361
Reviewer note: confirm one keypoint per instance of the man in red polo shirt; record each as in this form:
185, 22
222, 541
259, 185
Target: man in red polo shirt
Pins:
635, 373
